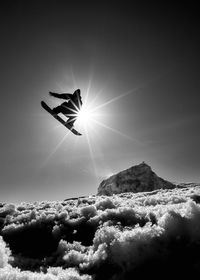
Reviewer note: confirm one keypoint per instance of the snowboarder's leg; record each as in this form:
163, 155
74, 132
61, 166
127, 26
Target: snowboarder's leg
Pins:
62, 109
66, 110
57, 110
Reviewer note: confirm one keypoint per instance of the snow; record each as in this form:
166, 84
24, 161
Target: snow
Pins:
98, 237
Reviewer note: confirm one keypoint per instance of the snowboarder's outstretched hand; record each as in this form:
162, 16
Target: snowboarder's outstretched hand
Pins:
54, 94
51, 93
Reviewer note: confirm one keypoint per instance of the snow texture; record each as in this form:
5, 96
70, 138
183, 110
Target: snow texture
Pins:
123, 236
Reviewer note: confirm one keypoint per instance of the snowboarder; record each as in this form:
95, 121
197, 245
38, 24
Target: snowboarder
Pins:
69, 108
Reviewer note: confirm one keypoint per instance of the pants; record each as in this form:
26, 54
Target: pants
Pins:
65, 110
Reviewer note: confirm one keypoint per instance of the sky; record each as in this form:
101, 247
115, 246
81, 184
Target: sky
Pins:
137, 66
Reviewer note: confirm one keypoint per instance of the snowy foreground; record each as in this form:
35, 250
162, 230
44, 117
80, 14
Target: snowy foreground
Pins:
124, 236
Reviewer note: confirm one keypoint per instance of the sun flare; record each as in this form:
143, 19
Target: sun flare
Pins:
84, 116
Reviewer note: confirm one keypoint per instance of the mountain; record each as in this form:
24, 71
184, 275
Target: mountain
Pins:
138, 178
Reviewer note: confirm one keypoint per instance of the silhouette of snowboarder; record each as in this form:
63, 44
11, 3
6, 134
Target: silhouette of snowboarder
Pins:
70, 108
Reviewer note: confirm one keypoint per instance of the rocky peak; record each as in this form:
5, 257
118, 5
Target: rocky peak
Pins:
138, 178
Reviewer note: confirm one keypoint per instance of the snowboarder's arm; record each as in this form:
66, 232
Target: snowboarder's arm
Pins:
61, 95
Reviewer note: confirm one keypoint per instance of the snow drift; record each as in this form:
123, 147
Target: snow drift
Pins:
124, 236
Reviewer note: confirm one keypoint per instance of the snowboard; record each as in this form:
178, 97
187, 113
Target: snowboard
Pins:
48, 109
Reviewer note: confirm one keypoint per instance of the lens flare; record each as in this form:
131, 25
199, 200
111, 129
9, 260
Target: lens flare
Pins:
84, 116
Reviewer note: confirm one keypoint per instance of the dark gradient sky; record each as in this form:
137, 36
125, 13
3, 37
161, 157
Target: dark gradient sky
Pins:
150, 51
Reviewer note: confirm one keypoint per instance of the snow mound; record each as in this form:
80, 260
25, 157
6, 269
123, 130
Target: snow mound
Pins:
123, 236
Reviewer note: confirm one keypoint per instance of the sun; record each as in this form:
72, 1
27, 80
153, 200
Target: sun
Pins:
85, 116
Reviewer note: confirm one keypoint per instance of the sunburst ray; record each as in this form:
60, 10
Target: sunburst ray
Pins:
91, 154
88, 89
115, 99
114, 130
55, 149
